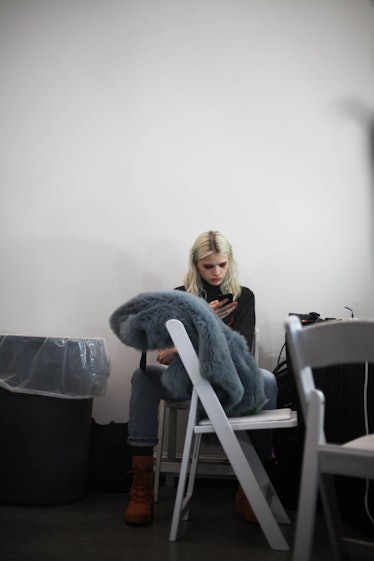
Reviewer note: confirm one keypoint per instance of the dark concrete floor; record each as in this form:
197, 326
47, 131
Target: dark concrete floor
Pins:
93, 530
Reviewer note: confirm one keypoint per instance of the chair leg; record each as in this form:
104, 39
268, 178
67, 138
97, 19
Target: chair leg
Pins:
306, 511
333, 519
172, 443
192, 476
161, 429
253, 491
263, 478
180, 504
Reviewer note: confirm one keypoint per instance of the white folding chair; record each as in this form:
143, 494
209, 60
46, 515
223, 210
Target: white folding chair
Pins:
321, 345
168, 416
232, 434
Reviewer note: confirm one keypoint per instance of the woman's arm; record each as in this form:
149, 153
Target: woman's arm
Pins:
244, 317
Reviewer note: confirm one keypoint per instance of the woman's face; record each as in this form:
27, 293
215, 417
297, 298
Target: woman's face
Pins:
213, 268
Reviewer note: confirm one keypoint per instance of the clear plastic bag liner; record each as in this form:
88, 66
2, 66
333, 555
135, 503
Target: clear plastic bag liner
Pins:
55, 367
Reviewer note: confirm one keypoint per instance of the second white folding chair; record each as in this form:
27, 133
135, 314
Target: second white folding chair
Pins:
328, 344
232, 434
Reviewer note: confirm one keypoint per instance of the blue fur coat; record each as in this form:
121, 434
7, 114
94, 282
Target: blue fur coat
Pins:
223, 353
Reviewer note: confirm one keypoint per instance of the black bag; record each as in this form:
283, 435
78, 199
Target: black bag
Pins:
109, 467
288, 443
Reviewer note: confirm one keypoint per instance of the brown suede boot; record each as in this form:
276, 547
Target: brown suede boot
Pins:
140, 508
243, 508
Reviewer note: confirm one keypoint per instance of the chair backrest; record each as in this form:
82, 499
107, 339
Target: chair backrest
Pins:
325, 344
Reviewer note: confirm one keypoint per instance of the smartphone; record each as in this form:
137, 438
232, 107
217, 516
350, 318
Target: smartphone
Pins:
221, 297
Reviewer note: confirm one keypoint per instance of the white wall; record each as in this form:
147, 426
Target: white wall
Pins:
129, 127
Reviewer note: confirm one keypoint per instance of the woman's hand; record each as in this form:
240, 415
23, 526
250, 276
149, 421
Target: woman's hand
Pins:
223, 309
166, 356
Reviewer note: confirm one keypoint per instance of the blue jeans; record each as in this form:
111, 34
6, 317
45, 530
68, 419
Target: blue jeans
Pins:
146, 392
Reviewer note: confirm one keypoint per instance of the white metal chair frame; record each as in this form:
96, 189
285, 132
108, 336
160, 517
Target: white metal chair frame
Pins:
328, 344
232, 434
168, 416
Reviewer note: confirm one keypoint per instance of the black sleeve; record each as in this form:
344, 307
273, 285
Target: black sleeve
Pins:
244, 317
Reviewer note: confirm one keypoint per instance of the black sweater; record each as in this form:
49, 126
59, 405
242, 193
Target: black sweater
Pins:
243, 319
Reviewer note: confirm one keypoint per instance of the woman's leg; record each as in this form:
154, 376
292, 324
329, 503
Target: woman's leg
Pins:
146, 392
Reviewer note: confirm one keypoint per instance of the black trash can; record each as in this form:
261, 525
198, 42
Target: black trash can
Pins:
47, 386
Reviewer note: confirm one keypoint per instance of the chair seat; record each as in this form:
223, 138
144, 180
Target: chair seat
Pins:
363, 443
277, 417
354, 458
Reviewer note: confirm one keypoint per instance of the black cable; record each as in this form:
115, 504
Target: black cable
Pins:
352, 314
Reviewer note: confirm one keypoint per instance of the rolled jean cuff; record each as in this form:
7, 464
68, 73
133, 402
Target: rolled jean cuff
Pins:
139, 442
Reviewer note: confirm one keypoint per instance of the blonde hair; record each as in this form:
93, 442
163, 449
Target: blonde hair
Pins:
207, 244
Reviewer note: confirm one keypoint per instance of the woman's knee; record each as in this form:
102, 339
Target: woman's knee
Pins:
148, 382
137, 378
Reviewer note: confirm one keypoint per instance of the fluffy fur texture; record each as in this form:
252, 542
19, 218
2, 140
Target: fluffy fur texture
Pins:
223, 353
